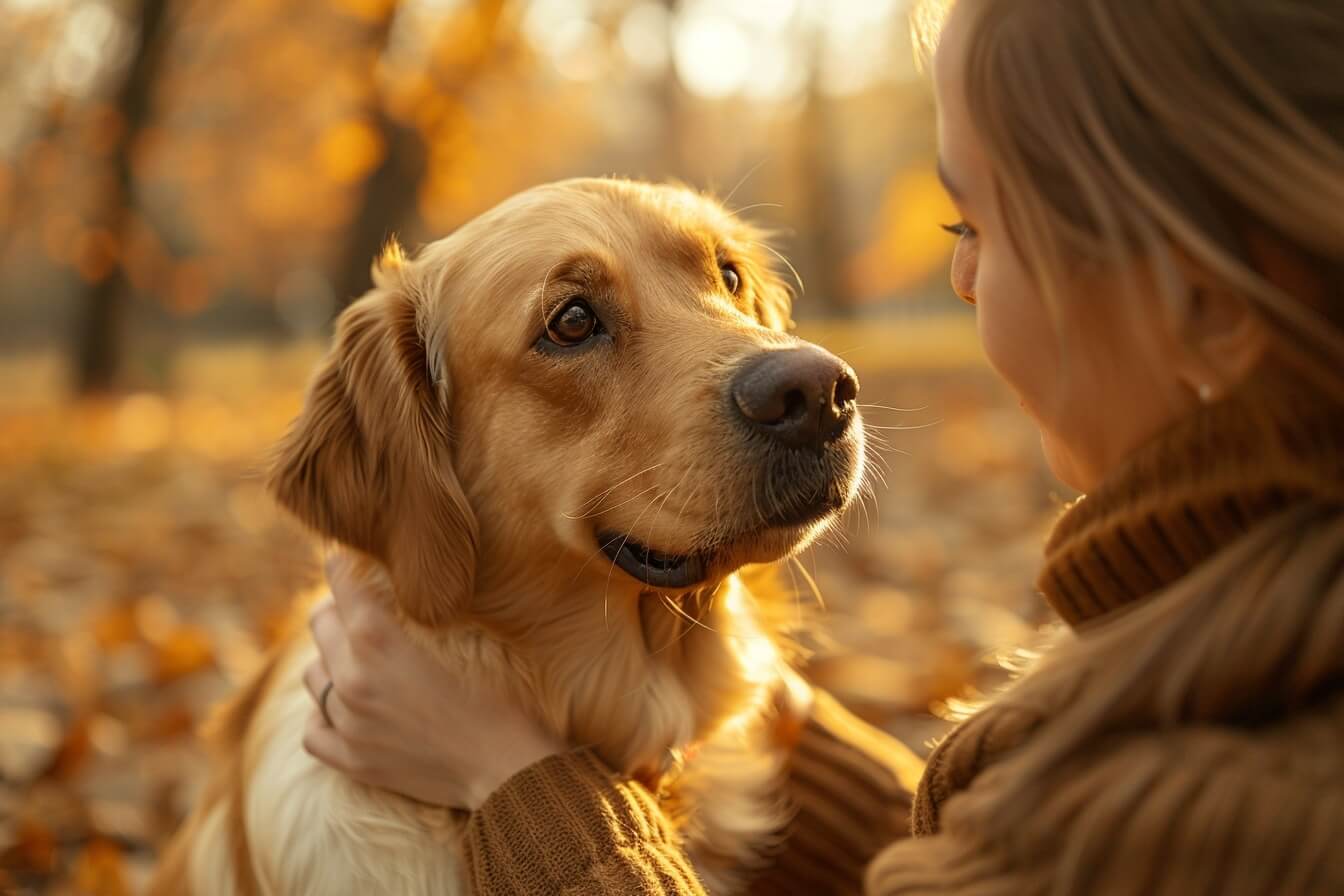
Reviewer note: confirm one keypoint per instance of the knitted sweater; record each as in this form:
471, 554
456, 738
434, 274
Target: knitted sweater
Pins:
1188, 739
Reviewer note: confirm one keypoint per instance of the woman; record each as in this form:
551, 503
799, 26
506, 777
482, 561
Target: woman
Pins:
1153, 237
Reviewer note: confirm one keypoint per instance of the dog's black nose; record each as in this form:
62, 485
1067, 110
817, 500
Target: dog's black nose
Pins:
804, 397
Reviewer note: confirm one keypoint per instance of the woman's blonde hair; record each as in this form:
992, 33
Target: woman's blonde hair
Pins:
1211, 130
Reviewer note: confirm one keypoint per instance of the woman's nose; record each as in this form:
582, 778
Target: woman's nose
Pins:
963, 274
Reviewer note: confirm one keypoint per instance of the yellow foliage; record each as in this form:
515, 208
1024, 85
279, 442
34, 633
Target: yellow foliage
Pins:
349, 150
371, 11
273, 193
100, 870
96, 254
909, 246
189, 289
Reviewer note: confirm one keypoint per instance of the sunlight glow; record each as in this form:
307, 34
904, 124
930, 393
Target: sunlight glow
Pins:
765, 50
545, 18
713, 55
579, 51
771, 15
777, 73
91, 36
644, 37
22, 6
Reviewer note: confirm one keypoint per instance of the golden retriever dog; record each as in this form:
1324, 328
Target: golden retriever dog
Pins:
559, 433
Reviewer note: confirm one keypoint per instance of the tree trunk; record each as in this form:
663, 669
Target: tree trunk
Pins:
824, 204
100, 330
387, 200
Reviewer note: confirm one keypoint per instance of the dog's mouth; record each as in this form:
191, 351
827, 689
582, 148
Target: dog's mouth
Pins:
651, 567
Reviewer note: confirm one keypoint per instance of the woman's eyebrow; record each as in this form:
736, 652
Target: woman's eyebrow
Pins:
948, 185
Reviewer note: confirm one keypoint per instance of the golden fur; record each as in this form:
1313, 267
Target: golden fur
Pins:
474, 471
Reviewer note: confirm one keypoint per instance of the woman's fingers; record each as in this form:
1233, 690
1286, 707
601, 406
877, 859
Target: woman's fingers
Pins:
367, 622
325, 744
315, 678
354, 684
334, 714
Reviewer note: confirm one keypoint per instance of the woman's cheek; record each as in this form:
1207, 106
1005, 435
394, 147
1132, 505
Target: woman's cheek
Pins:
1016, 335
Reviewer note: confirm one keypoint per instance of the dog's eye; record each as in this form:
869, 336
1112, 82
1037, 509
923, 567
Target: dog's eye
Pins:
731, 278
573, 324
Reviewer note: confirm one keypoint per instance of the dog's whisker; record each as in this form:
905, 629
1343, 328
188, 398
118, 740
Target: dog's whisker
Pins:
673, 491
682, 635
802, 290
545, 281
750, 171
884, 407
691, 495
599, 497
795, 593
930, 425
882, 448
597, 510
863, 506
672, 605
625, 539
745, 209
811, 581
878, 458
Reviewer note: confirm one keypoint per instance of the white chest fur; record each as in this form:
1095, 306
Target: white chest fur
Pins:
311, 830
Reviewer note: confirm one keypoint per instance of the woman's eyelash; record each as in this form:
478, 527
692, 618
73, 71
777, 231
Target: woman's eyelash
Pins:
960, 229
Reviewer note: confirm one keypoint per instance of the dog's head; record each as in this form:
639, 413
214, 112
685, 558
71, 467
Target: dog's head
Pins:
594, 378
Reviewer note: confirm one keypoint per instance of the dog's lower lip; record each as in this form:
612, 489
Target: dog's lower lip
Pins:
652, 567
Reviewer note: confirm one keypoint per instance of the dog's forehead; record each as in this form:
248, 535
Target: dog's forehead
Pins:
635, 220
634, 230
621, 235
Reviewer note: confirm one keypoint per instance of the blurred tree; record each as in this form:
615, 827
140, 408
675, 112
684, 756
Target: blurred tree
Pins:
387, 198
823, 200
672, 100
106, 296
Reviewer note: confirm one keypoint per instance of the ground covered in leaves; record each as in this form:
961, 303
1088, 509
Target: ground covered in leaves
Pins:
143, 570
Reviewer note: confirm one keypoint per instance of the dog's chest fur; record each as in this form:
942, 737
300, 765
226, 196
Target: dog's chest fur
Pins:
310, 829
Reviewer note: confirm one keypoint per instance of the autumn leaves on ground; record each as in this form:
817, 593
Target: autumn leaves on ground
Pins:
143, 570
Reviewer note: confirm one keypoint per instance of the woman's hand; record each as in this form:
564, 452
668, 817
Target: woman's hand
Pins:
395, 717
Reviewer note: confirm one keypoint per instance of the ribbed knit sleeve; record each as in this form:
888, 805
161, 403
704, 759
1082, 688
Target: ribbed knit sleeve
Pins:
1161, 814
569, 825
851, 787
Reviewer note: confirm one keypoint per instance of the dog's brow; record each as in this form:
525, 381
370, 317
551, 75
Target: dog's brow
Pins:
583, 269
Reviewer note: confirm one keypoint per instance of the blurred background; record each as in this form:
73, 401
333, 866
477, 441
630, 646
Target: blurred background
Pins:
191, 191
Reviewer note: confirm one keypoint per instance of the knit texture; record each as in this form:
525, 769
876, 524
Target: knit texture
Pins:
1189, 739
851, 788
1186, 495
1179, 500
568, 825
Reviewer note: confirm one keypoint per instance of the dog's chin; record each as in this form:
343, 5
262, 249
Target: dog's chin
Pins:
673, 571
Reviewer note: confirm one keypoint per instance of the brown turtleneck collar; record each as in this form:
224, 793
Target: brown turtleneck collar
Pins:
1188, 493
1175, 503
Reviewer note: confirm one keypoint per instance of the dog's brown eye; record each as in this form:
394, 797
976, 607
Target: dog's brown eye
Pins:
572, 324
731, 278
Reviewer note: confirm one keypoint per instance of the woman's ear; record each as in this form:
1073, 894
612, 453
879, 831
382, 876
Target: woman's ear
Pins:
1222, 341
368, 461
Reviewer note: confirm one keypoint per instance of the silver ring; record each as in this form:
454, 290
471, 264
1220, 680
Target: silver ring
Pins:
322, 703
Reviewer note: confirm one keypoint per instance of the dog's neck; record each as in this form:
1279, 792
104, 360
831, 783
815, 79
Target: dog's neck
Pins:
638, 675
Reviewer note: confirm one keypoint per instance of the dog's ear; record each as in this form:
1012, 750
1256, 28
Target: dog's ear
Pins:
368, 461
